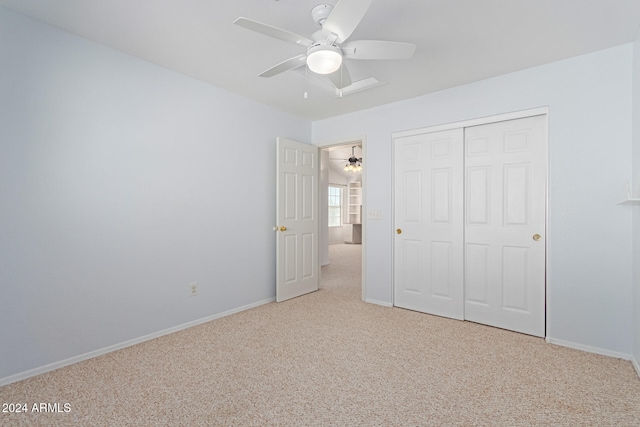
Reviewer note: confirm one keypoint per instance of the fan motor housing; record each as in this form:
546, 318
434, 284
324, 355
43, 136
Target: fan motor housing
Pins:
321, 12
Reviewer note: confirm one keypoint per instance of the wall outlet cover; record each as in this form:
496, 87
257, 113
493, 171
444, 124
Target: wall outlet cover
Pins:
375, 214
193, 288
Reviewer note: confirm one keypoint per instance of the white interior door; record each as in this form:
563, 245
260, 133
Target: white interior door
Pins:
429, 219
297, 259
505, 166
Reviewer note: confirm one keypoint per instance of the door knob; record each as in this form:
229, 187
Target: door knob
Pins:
537, 237
283, 228
399, 231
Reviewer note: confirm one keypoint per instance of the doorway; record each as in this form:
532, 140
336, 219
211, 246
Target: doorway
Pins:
349, 236
342, 275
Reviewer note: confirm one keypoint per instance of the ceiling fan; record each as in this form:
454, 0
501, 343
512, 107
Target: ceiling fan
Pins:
354, 164
326, 48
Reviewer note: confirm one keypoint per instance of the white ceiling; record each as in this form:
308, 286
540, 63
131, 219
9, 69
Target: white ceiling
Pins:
458, 41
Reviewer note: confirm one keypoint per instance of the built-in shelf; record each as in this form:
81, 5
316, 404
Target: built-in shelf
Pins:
355, 203
352, 230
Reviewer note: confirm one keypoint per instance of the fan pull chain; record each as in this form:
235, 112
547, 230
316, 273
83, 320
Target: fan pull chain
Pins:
306, 79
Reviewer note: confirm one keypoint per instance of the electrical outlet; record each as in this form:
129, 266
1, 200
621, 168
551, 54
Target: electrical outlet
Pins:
193, 288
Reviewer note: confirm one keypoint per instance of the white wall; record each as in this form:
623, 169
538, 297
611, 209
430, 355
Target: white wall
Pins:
119, 185
589, 239
336, 177
635, 186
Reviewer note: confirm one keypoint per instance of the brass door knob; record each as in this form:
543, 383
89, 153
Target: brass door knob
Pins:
399, 231
283, 228
537, 237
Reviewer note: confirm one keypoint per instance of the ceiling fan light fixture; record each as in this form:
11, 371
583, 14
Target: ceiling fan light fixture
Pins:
324, 58
353, 167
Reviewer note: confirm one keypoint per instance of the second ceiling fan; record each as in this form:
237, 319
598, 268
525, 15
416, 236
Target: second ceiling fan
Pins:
326, 48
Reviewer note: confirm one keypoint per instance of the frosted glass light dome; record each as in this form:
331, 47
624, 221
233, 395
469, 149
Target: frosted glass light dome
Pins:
324, 59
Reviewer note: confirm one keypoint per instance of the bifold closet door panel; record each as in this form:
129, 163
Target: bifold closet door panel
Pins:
505, 197
428, 248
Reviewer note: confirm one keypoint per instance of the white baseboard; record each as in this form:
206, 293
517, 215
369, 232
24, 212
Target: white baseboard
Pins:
589, 349
636, 365
376, 302
56, 365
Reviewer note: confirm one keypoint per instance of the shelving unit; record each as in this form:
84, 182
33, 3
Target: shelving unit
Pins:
352, 229
355, 203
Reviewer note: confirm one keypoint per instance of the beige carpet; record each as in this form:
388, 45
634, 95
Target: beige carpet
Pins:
328, 359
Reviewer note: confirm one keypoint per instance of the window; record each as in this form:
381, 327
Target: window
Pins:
335, 206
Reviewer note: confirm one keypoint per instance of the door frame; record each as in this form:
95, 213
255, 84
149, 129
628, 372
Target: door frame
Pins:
538, 111
347, 142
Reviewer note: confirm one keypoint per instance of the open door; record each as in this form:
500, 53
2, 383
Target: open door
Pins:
297, 258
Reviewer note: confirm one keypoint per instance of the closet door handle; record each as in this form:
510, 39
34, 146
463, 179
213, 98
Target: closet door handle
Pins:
283, 228
399, 231
537, 237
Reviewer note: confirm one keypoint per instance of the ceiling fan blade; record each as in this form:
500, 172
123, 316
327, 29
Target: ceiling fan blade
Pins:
377, 49
345, 17
289, 64
341, 78
274, 32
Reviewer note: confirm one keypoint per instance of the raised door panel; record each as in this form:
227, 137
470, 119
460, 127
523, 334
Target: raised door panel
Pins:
516, 191
290, 196
290, 259
411, 267
307, 198
442, 284
476, 273
478, 196
441, 195
515, 280
308, 255
412, 197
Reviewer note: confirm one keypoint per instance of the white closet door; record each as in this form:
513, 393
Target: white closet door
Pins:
428, 265
505, 198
